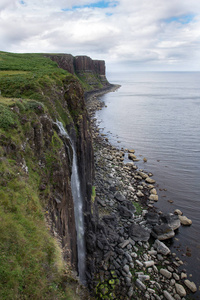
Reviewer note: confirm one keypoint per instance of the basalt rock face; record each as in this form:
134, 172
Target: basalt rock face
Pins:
80, 132
91, 72
86, 64
64, 61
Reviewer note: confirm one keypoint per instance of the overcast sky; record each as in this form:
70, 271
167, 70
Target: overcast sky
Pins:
132, 34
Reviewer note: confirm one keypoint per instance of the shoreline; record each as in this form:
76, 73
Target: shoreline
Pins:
125, 197
100, 92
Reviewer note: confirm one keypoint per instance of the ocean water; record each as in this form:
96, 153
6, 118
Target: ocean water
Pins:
158, 115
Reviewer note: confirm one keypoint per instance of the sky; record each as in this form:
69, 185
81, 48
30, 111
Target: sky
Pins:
141, 35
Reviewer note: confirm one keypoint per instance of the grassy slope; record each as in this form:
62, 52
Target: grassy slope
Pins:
31, 265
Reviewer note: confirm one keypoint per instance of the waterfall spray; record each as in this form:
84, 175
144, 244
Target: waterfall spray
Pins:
78, 207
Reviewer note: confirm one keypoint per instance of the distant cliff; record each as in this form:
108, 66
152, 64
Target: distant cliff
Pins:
92, 73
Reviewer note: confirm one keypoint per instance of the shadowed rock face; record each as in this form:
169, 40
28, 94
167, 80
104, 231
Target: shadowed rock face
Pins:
64, 61
92, 72
86, 64
78, 63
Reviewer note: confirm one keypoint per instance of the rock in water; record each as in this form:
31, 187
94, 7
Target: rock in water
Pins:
132, 156
185, 221
178, 212
150, 180
153, 197
171, 220
191, 285
162, 232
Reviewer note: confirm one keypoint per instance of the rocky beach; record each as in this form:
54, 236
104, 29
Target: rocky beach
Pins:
131, 259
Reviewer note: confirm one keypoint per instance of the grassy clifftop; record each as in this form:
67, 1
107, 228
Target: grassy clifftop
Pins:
31, 155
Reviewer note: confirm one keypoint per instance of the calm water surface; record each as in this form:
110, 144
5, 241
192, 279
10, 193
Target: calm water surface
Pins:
158, 115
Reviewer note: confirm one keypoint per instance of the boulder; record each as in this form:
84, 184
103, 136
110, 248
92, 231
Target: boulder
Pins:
162, 232
125, 212
153, 191
143, 175
153, 197
131, 151
166, 273
138, 233
152, 218
129, 205
168, 296
191, 285
132, 156
119, 196
150, 180
140, 285
171, 220
185, 221
161, 247
140, 194
178, 212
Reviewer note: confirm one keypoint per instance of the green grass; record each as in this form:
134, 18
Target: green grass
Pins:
29, 261
138, 208
32, 76
93, 196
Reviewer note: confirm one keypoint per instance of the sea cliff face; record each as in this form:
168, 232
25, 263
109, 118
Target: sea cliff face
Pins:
36, 168
92, 73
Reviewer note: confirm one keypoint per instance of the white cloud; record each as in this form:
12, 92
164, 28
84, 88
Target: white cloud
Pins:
156, 32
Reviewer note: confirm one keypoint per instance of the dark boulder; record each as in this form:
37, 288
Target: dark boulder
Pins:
162, 232
125, 212
138, 233
152, 218
119, 197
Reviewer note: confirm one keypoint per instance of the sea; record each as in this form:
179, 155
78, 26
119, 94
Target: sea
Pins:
158, 115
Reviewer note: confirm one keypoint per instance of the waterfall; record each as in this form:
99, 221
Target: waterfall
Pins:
78, 208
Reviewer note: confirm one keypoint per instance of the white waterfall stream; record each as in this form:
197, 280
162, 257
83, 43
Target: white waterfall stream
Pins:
78, 208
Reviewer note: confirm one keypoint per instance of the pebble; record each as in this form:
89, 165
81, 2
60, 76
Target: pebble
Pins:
153, 197
140, 285
183, 275
172, 282
149, 263
168, 296
139, 263
165, 273
176, 276
150, 180
144, 277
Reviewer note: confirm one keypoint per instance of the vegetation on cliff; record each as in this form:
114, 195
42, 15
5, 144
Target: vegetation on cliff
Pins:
33, 165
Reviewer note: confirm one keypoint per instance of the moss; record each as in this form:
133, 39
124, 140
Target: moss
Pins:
7, 117
105, 290
93, 196
138, 208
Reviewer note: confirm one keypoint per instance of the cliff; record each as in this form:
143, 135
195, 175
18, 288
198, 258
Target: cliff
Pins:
92, 73
36, 167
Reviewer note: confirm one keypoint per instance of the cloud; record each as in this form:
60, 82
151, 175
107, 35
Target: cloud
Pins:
156, 32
